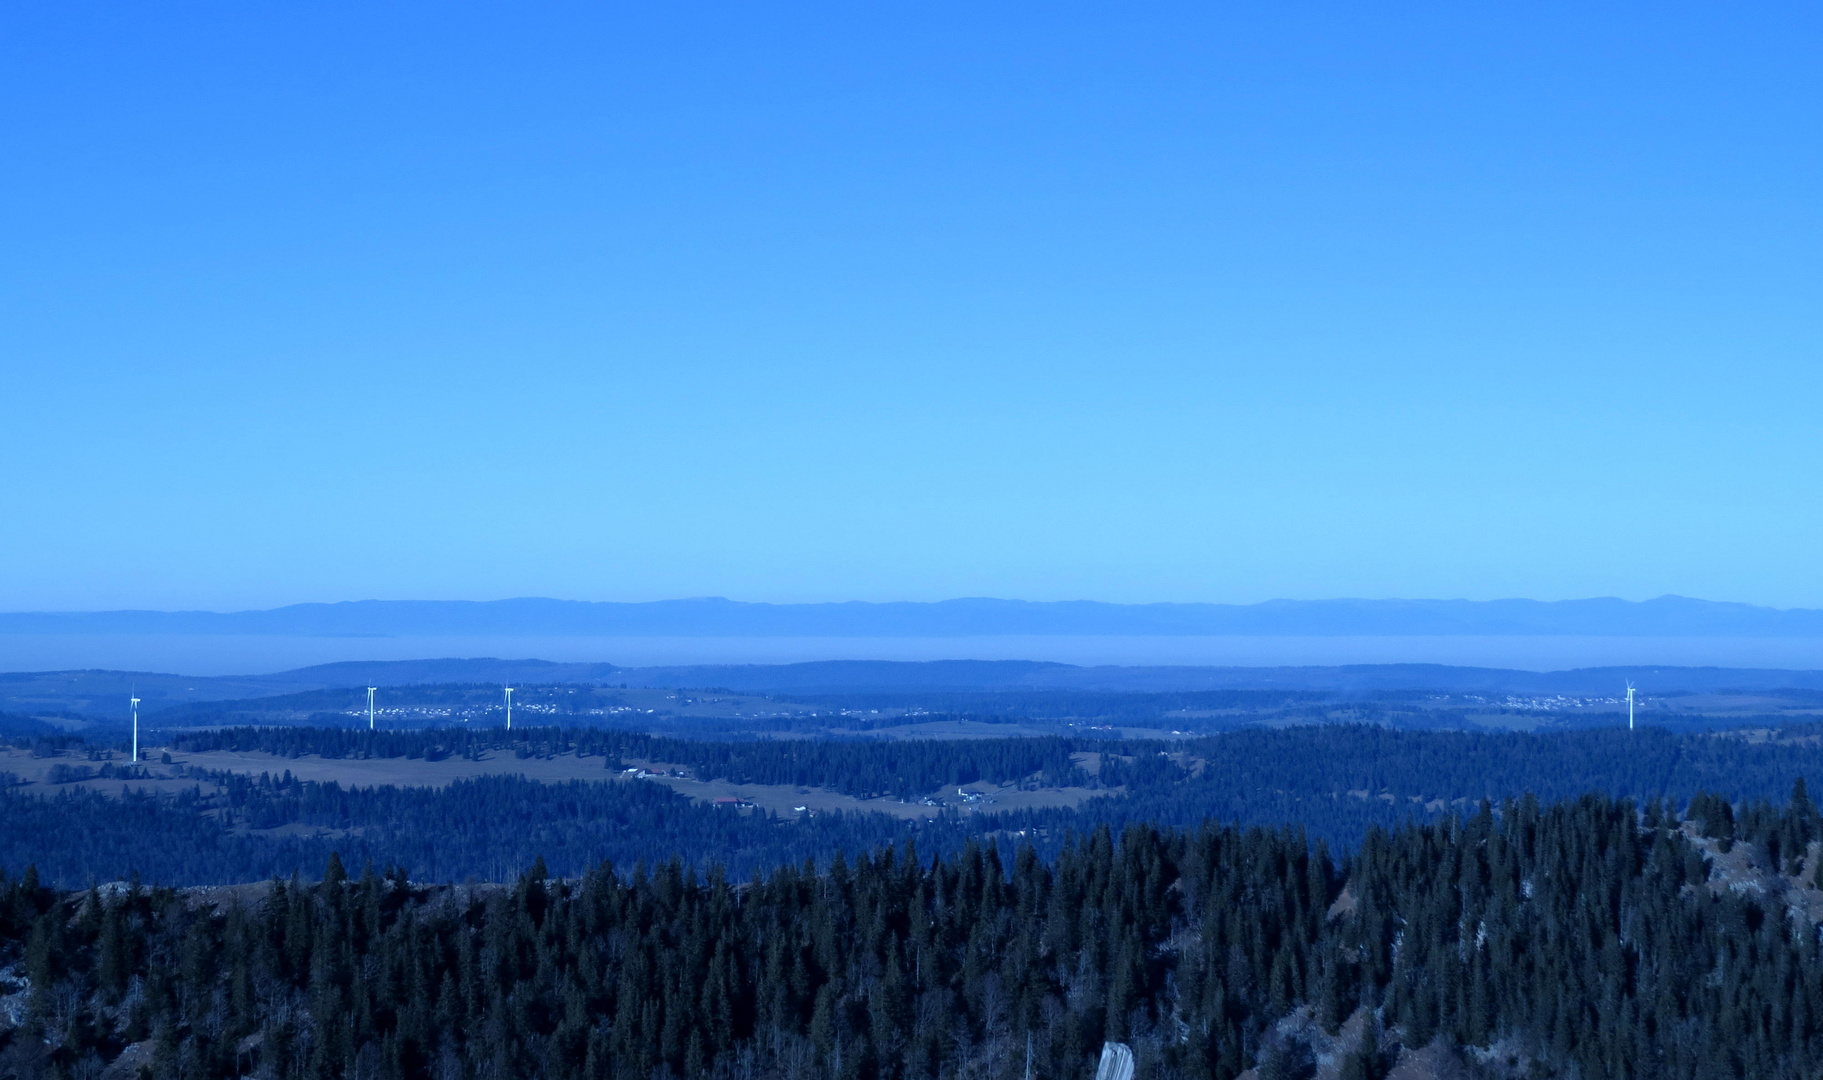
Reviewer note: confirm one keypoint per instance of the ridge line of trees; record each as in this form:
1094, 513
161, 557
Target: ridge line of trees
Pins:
1579, 938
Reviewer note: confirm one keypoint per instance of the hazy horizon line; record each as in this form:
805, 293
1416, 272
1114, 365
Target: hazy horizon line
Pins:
712, 598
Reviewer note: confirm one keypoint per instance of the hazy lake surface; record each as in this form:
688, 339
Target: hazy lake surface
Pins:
251, 655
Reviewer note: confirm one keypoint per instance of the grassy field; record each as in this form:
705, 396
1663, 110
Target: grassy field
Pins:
190, 770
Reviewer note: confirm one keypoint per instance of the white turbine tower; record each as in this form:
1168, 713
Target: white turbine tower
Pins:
135, 707
509, 708
370, 691
1629, 704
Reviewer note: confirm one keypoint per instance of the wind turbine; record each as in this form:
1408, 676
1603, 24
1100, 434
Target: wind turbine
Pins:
370, 691
1629, 704
135, 707
509, 708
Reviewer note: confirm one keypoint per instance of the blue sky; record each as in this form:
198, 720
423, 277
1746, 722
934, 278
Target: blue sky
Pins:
793, 302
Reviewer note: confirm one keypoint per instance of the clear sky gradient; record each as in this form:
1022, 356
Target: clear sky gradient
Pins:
909, 301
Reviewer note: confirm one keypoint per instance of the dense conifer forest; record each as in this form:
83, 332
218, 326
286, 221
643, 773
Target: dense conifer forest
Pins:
855, 767
1334, 781
1306, 760
1583, 938
1319, 902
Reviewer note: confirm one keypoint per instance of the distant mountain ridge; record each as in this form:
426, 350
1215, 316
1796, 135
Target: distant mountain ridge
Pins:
1666, 616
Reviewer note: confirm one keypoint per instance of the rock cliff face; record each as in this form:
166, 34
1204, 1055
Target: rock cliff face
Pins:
1298, 1048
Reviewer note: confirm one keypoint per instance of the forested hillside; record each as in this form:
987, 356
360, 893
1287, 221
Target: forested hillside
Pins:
1336, 782
1298, 761
857, 767
1579, 939
484, 829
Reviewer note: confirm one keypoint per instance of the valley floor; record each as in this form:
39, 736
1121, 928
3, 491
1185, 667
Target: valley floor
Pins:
188, 770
